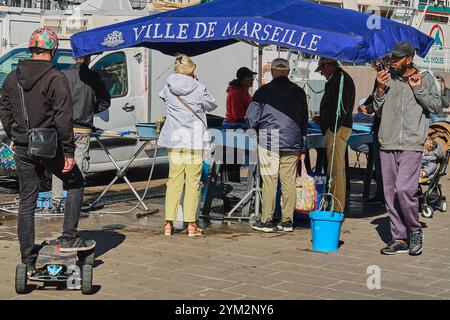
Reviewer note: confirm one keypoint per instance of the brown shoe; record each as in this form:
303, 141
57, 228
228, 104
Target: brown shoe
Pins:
194, 230
168, 228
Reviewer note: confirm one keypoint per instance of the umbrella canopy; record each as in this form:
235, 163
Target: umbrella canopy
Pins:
342, 34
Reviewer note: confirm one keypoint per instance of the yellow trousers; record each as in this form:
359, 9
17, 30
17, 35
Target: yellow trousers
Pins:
272, 165
184, 164
339, 182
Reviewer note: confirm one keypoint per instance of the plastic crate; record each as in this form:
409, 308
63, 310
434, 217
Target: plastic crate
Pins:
45, 199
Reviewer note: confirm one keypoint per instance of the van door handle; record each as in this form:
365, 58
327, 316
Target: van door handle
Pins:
128, 107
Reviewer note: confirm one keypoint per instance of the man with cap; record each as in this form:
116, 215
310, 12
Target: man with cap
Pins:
238, 97
279, 113
330, 69
404, 98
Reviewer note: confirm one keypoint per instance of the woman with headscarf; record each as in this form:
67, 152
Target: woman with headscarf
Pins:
186, 137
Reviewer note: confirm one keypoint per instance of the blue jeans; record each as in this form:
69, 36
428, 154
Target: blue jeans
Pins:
30, 172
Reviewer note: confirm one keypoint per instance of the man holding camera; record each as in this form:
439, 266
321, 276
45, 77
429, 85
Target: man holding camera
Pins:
404, 98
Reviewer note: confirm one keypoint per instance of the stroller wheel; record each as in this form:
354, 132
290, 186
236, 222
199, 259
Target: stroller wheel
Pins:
427, 211
443, 206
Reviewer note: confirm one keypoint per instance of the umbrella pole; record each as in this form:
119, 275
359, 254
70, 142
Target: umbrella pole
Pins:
260, 65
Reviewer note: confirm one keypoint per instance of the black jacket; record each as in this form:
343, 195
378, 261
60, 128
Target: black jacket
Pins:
280, 108
89, 94
328, 105
48, 102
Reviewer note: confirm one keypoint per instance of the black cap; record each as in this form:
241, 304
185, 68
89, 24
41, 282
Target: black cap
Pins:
244, 72
403, 49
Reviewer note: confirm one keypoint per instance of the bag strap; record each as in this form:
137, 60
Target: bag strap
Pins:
192, 111
196, 115
23, 106
303, 173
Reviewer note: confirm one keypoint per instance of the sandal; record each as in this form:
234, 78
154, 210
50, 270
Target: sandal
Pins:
194, 230
168, 228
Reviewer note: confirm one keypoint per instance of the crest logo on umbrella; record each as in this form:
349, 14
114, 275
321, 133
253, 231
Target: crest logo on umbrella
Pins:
113, 39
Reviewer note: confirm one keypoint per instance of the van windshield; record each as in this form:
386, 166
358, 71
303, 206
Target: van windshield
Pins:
62, 60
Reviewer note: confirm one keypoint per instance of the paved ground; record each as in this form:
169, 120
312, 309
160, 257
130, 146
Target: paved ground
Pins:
134, 261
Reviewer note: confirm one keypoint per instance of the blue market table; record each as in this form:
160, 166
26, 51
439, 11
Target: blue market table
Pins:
220, 187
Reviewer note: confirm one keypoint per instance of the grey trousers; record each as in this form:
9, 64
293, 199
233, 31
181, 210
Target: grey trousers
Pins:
81, 158
400, 171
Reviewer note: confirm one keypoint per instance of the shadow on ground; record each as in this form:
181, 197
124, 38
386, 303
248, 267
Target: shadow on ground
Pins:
106, 240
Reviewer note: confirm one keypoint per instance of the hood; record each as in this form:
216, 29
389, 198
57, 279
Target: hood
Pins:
181, 85
29, 72
235, 88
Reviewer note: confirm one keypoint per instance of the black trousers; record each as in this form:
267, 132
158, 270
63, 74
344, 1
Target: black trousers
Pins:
30, 172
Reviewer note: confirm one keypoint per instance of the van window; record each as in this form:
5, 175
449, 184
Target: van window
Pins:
113, 71
8, 62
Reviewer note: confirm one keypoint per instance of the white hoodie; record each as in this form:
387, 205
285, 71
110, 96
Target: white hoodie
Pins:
182, 129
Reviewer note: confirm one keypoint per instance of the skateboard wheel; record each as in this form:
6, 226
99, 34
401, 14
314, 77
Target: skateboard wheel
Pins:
21, 278
87, 257
86, 279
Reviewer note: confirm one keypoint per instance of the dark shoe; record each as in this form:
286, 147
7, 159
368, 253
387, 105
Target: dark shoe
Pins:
395, 247
77, 244
264, 226
415, 243
286, 226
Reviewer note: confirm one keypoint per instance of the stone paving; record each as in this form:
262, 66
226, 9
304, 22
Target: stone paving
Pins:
231, 262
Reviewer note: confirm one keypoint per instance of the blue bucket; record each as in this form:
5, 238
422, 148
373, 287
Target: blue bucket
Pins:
146, 130
326, 229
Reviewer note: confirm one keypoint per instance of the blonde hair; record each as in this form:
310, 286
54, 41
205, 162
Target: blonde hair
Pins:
184, 65
429, 145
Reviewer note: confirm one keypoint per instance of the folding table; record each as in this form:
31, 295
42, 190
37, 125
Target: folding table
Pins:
121, 172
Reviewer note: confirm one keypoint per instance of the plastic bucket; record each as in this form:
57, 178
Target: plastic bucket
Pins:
326, 229
146, 130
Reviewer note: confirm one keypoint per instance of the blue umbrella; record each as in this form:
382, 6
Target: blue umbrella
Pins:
342, 34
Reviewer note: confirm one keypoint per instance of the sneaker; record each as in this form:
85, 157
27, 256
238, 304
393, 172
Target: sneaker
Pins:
77, 244
264, 226
54, 242
285, 226
395, 247
415, 243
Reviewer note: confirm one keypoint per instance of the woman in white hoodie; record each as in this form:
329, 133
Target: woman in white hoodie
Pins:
186, 137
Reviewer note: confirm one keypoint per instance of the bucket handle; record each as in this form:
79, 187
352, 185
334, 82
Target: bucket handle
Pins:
322, 202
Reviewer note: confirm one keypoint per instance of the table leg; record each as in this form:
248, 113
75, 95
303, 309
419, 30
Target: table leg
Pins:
369, 173
135, 192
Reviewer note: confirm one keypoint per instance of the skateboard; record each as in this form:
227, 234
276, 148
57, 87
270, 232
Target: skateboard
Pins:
72, 270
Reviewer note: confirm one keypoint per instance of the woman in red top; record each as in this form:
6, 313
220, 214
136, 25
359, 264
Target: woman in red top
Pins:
238, 97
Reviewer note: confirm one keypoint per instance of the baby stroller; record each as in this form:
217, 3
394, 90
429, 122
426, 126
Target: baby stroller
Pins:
432, 198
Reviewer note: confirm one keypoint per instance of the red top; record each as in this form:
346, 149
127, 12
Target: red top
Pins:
238, 100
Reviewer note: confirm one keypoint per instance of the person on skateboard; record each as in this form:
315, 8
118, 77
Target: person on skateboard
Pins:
36, 95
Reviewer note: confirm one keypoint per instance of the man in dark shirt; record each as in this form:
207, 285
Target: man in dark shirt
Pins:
329, 122
89, 97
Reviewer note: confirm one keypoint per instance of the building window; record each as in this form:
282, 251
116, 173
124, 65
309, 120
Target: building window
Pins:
435, 18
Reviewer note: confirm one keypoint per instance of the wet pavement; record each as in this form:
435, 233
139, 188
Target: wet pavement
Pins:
135, 261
